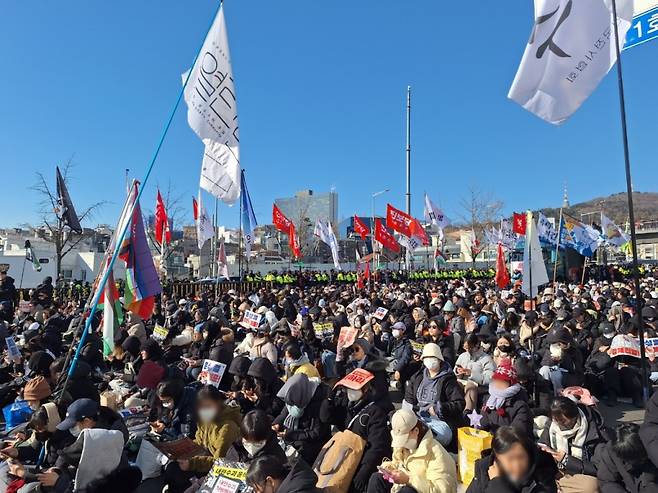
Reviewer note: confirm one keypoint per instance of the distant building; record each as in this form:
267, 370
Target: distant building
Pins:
309, 205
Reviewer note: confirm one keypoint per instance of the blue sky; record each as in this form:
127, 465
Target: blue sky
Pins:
321, 95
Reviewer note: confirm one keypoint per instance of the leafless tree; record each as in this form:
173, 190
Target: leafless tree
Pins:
52, 229
480, 209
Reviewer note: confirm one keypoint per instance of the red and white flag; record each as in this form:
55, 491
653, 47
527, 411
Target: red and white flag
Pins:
162, 231
519, 224
280, 221
385, 238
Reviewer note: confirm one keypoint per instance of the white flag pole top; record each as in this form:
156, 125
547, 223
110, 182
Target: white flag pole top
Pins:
212, 113
533, 260
571, 49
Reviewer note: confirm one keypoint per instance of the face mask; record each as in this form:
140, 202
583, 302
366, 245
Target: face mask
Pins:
75, 431
294, 411
253, 448
609, 336
411, 445
396, 333
168, 405
504, 349
431, 364
354, 395
207, 414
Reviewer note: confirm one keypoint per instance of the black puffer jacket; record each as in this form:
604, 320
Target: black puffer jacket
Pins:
267, 385
300, 479
237, 452
540, 478
597, 435
369, 420
311, 433
448, 393
514, 412
649, 429
617, 476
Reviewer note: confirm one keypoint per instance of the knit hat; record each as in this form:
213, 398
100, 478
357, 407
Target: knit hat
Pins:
36, 389
506, 372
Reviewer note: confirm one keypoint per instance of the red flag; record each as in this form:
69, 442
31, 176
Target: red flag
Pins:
502, 275
281, 222
519, 223
366, 272
195, 209
418, 231
360, 228
399, 221
385, 238
161, 221
293, 242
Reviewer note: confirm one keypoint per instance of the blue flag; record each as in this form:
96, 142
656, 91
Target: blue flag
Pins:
248, 217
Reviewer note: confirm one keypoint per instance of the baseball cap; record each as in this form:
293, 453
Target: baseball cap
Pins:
402, 422
79, 410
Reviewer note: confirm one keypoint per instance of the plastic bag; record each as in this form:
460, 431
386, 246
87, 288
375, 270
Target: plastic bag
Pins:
470, 445
16, 413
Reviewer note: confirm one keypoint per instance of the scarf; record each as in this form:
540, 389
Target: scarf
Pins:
570, 441
497, 397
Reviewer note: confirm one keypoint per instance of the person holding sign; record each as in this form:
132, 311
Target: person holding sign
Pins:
352, 406
218, 427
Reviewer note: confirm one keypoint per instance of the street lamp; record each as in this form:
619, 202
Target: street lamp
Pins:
372, 224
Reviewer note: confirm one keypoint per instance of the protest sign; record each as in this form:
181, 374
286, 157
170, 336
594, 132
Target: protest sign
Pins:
356, 379
380, 313
160, 333
251, 320
323, 330
345, 339
211, 372
181, 449
417, 347
226, 477
651, 346
12, 349
624, 345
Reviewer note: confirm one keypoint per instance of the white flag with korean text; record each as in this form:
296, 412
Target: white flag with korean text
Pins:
204, 228
325, 232
571, 49
212, 113
434, 215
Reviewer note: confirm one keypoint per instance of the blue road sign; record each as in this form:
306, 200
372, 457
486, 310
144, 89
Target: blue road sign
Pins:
643, 29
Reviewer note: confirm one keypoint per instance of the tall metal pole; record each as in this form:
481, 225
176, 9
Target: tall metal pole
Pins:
213, 256
408, 151
557, 248
631, 212
240, 231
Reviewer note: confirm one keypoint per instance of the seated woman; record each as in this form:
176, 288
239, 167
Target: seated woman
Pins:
572, 439
271, 474
258, 439
266, 385
419, 463
434, 393
218, 428
353, 406
298, 362
173, 411
515, 464
474, 369
622, 464
508, 402
299, 422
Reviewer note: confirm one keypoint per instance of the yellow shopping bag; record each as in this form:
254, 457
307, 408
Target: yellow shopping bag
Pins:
470, 445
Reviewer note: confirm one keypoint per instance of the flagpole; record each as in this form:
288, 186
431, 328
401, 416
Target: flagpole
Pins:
631, 212
557, 248
240, 229
122, 235
408, 255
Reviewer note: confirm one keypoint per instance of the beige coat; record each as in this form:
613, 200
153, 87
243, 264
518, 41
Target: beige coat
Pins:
430, 468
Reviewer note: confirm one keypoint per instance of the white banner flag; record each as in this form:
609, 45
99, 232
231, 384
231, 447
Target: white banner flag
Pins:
204, 229
435, 215
533, 260
571, 49
612, 234
409, 243
212, 113
222, 264
326, 234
